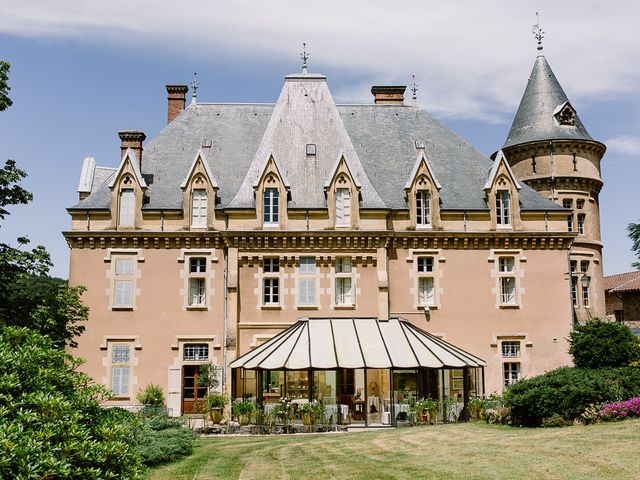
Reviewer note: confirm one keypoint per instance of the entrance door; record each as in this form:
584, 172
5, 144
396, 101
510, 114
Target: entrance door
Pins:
192, 393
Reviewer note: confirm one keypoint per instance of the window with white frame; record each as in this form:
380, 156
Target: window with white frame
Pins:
510, 349
197, 281
343, 207
271, 281
123, 281
580, 204
506, 272
581, 218
195, 352
271, 206
126, 210
120, 369
584, 270
503, 208
306, 284
568, 203
199, 208
511, 372
425, 267
423, 208
343, 282
574, 283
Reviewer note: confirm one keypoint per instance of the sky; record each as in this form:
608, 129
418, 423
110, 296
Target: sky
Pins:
83, 70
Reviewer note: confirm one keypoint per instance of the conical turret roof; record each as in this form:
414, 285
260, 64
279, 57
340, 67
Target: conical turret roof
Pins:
538, 116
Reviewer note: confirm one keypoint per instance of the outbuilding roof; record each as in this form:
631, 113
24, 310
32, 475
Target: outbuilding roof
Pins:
623, 282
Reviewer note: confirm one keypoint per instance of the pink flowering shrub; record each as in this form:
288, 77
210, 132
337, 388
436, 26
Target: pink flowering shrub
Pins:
620, 410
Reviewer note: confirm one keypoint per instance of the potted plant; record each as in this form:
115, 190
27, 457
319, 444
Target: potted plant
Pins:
308, 412
426, 410
243, 411
213, 404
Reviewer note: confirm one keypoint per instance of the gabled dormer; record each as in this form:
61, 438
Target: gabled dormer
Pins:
127, 193
502, 191
423, 195
565, 114
271, 194
199, 194
342, 191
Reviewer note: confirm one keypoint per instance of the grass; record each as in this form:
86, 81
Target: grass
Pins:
461, 451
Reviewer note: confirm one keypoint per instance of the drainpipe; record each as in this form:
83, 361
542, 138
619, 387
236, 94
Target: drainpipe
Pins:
162, 220
573, 310
553, 176
465, 220
224, 316
88, 221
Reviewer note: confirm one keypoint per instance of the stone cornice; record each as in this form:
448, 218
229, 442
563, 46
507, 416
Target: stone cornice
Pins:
565, 182
320, 240
541, 148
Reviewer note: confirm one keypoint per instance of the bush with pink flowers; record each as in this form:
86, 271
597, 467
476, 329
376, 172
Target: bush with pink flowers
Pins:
620, 410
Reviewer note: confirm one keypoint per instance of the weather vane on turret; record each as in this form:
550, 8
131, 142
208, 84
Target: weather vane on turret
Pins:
194, 88
538, 33
414, 90
304, 56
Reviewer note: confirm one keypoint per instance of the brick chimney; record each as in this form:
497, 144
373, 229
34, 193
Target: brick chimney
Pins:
132, 139
176, 96
388, 95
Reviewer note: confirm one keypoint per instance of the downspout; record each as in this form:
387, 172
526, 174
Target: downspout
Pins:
553, 176
573, 310
88, 221
224, 315
465, 220
162, 220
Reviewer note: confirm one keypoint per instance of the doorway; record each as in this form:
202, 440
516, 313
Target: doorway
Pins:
192, 392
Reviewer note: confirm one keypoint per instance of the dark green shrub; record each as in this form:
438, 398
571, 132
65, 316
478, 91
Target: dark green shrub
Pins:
51, 425
152, 396
567, 392
156, 447
555, 420
598, 344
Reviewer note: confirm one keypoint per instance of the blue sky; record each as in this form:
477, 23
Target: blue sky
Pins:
82, 71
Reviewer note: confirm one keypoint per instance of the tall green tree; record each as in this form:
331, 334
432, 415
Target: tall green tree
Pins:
634, 235
28, 296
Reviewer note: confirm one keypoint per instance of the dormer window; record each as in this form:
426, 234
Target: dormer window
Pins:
566, 114
271, 205
126, 212
423, 208
343, 207
503, 208
199, 208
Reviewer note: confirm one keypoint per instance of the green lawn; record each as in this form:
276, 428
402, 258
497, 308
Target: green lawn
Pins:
461, 451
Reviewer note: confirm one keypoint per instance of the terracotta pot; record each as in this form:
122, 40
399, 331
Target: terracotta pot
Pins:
425, 416
308, 419
215, 415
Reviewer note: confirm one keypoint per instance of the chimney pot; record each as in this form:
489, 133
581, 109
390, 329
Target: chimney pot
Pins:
388, 94
176, 97
132, 139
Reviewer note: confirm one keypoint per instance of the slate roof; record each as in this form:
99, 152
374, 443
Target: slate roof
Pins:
623, 282
535, 120
377, 142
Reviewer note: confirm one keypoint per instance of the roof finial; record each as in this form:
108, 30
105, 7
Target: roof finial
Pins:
414, 90
538, 33
194, 88
304, 56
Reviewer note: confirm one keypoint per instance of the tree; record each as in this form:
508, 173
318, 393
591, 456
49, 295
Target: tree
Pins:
598, 343
51, 423
28, 297
634, 235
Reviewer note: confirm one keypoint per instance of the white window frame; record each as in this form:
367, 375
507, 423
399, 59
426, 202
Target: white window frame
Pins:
195, 352
423, 209
503, 208
584, 270
507, 277
123, 285
307, 283
271, 206
574, 282
127, 208
123, 366
581, 223
343, 207
198, 273
510, 348
199, 207
425, 274
344, 276
511, 373
568, 203
271, 291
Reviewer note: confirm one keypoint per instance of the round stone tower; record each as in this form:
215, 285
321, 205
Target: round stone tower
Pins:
550, 150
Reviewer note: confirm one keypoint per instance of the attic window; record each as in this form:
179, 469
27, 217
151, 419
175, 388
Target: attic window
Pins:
311, 148
566, 115
420, 144
207, 143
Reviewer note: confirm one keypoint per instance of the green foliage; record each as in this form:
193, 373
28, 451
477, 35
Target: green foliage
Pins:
152, 395
241, 408
5, 101
163, 440
568, 392
315, 409
51, 425
214, 400
633, 230
479, 404
209, 376
555, 420
598, 344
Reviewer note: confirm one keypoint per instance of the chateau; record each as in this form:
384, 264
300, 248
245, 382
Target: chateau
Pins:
336, 224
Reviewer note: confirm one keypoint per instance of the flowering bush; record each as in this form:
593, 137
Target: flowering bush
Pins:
620, 410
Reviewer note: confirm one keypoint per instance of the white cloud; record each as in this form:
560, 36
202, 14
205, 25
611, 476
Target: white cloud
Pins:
624, 144
471, 58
